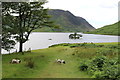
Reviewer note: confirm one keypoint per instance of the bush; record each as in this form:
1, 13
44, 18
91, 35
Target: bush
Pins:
30, 63
83, 66
102, 68
99, 62
112, 72
98, 74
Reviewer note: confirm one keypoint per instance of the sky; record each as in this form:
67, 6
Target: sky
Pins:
97, 12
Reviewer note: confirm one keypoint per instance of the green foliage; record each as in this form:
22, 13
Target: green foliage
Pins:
83, 66
102, 68
75, 36
28, 17
7, 41
30, 63
98, 62
107, 30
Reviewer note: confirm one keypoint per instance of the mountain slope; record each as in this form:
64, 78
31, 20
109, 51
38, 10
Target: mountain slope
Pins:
107, 30
68, 22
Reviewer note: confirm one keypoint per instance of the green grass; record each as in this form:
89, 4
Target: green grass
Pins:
45, 65
112, 29
44, 29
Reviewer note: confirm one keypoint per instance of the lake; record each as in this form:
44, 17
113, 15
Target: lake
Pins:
40, 40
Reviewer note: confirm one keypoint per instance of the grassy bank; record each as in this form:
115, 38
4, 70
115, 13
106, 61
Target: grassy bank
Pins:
112, 29
41, 63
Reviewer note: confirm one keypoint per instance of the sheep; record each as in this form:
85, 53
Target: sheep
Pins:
60, 61
63, 61
17, 61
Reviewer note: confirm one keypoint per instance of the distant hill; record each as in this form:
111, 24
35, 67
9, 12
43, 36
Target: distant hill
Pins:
107, 30
67, 22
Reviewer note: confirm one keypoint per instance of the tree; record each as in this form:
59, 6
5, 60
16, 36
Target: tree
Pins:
23, 18
75, 36
7, 42
6, 38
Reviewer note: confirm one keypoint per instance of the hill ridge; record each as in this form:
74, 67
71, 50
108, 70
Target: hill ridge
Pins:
111, 29
68, 22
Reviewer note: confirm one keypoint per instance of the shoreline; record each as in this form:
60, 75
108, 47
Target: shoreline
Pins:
69, 43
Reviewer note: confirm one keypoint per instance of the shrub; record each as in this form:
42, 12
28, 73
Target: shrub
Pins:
73, 46
98, 74
102, 68
112, 72
83, 67
99, 62
83, 44
30, 63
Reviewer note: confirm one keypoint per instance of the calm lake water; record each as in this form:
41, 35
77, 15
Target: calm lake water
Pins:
40, 40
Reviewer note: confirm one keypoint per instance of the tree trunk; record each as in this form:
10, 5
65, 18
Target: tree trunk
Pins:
20, 46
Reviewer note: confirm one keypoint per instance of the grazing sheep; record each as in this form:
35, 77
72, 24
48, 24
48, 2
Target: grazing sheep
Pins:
17, 61
63, 61
60, 61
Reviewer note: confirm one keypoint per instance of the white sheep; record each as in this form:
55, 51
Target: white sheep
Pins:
17, 61
63, 61
60, 61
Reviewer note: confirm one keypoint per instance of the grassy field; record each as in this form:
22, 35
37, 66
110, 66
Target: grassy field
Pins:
41, 63
112, 29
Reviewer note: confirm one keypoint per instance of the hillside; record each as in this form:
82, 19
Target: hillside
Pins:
67, 22
107, 30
